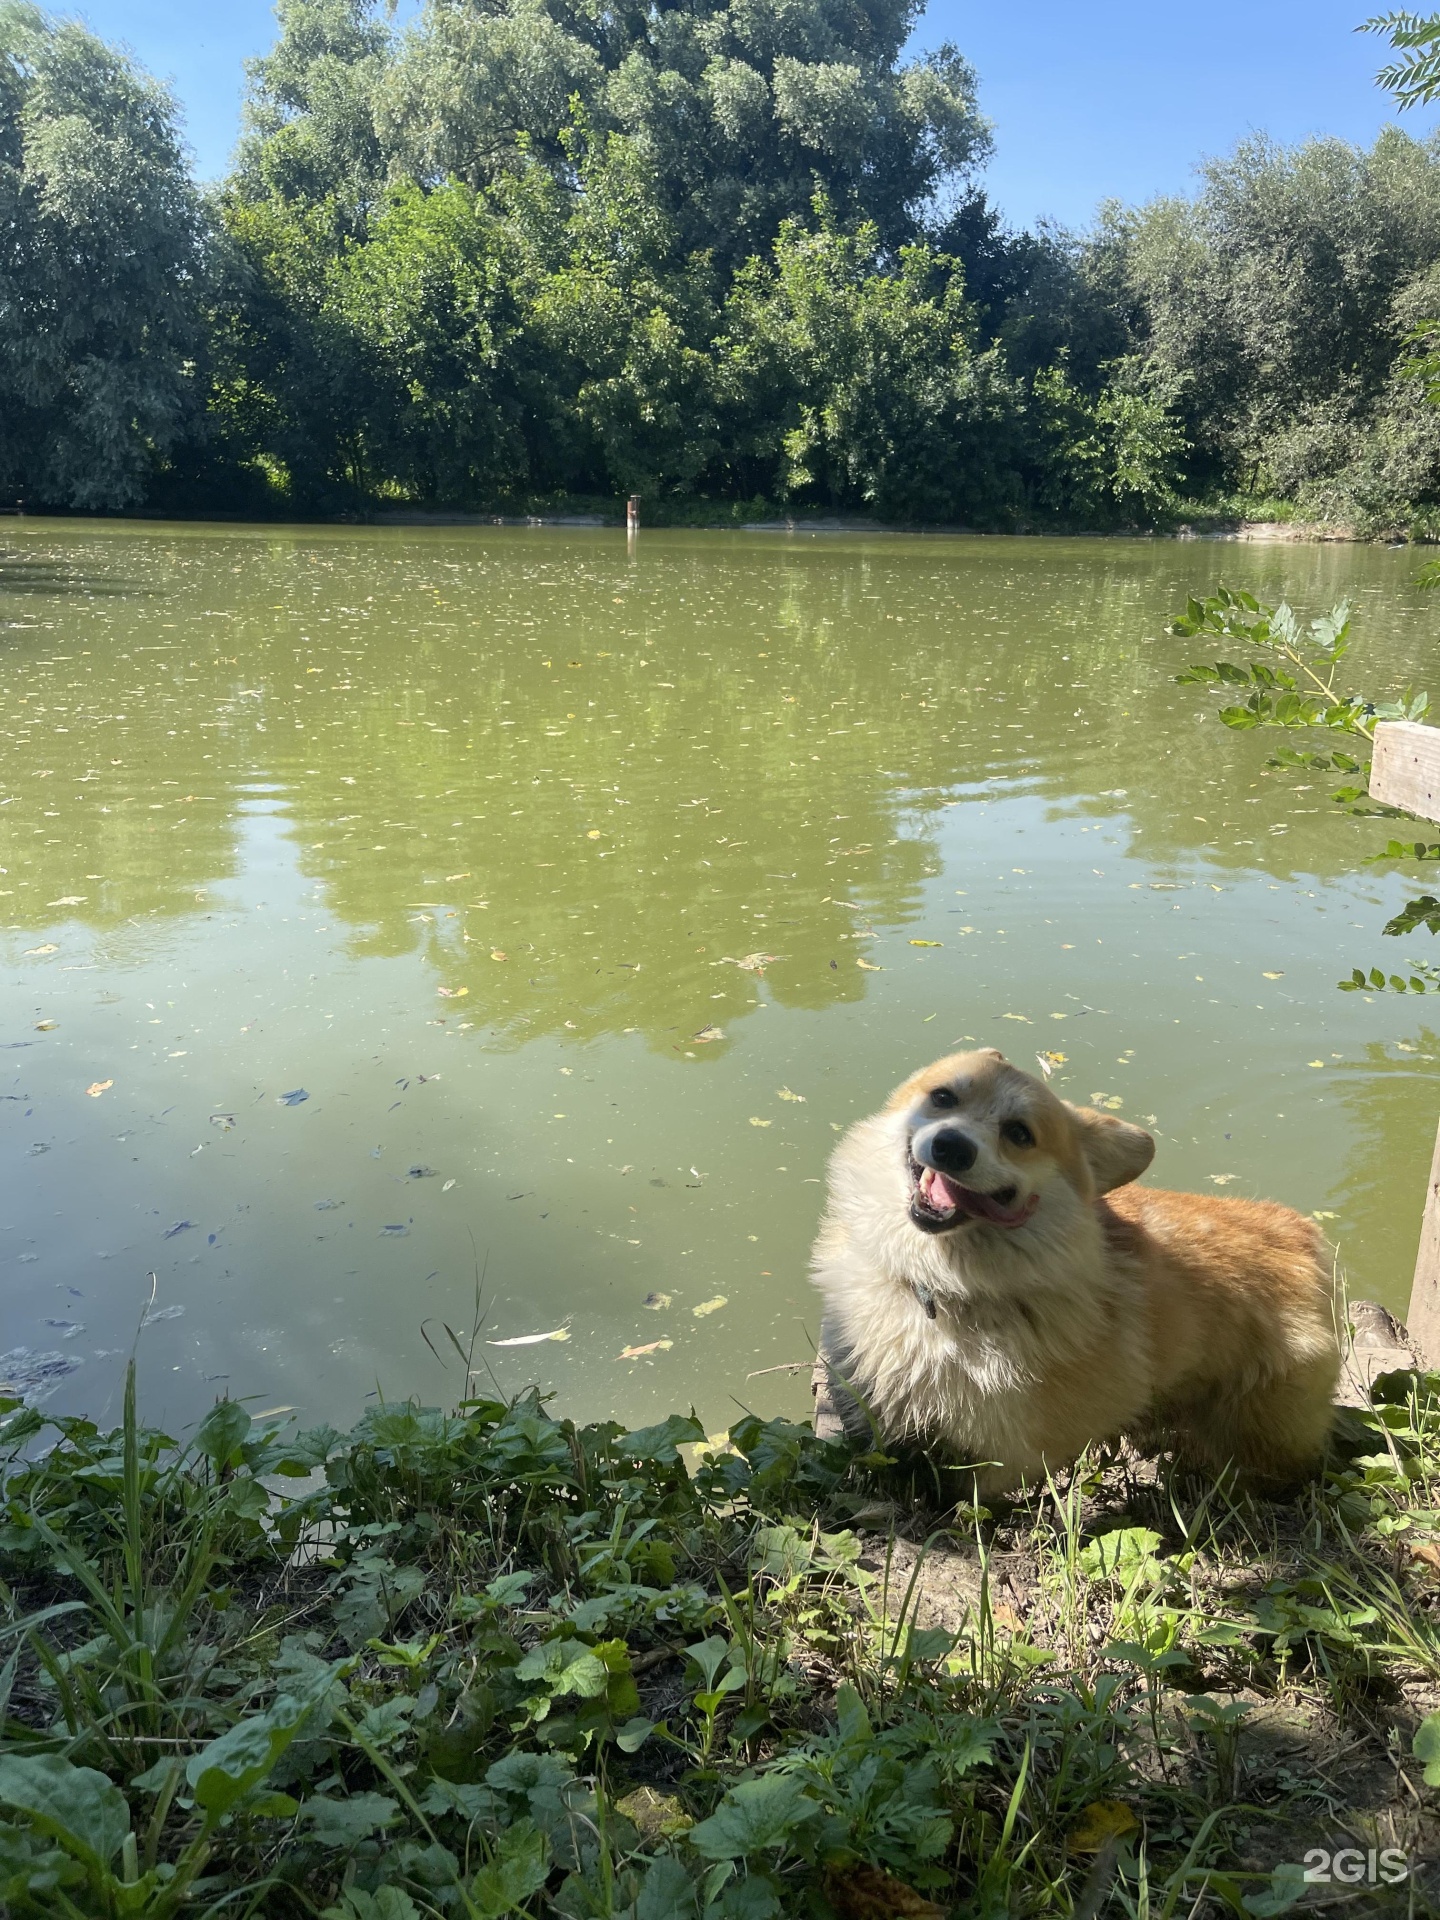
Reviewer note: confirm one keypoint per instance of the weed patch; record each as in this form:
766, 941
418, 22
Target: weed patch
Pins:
487, 1663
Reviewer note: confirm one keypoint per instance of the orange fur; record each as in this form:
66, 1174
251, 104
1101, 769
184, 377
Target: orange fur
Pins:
1054, 1303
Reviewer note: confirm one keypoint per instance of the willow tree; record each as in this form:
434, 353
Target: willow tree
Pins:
100, 258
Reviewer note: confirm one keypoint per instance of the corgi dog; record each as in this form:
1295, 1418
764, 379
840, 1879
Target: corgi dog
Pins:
996, 1291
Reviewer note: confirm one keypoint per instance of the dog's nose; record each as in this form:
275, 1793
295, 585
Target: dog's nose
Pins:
952, 1151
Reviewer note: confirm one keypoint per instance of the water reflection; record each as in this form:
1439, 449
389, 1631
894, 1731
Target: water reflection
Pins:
286, 809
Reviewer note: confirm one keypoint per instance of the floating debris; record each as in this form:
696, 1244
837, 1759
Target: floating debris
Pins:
293, 1098
638, 1353
328, 1206
161, 1313
656, 1301
707, 1034
395, 1230
532, 1339
422, 1173
33, 1377
97, 1087
180, 1226
225, 1122
710, 1306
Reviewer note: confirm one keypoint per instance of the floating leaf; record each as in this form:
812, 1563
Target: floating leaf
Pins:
46, 1026
869, 966
497, 954
755, 1121
1276, 976
1222, 1179
656, 1301
784, 1093
455, 993
707, 1034
531, 1339
49, 947
97, 1087
710, 1306
293, 1098
654, 1346
927, 943
224, 1121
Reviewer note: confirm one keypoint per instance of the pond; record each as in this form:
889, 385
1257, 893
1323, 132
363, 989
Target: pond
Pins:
402, 918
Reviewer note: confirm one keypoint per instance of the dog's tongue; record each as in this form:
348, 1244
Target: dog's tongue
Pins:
948, 1196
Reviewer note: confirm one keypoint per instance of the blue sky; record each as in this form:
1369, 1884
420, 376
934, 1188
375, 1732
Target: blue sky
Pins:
1105, 98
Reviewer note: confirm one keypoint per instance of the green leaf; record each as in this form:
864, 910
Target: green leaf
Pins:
75, 1806
756, 1815
1427, 1747
222, 1432
222, 1774
520, 1868
661, 1443
1286, 1890
343, 1823
386, 1903
1241, 718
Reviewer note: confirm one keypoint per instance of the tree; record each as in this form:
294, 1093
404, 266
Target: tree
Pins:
100, 271
743, 110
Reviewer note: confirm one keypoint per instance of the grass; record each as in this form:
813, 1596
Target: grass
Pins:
488, 1663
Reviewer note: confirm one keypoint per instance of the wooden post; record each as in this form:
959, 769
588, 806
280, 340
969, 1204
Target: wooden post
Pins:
1405, 772
632, 514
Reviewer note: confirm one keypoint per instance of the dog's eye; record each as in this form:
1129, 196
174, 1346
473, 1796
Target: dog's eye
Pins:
942, 1097
1017, 1133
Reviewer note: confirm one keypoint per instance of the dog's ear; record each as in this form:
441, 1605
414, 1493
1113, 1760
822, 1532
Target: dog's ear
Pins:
1115, 1152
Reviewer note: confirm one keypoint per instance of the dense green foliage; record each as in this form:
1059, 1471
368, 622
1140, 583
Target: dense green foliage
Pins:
99, 269
490, 1664
713, 253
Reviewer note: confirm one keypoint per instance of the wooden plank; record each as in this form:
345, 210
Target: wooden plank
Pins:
1423, 1319
1405, 770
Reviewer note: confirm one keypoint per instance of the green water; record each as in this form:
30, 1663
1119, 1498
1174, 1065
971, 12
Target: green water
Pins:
577, 889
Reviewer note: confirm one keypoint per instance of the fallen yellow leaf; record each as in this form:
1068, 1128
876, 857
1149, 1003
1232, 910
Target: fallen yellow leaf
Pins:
655, 1346
1314, 1063
755, 1121
496, 954
869, 966
1101, 1822
659, 1816
46, 1026
927, 943
1276, 976
97, 1087
786, 1094
710, 1306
